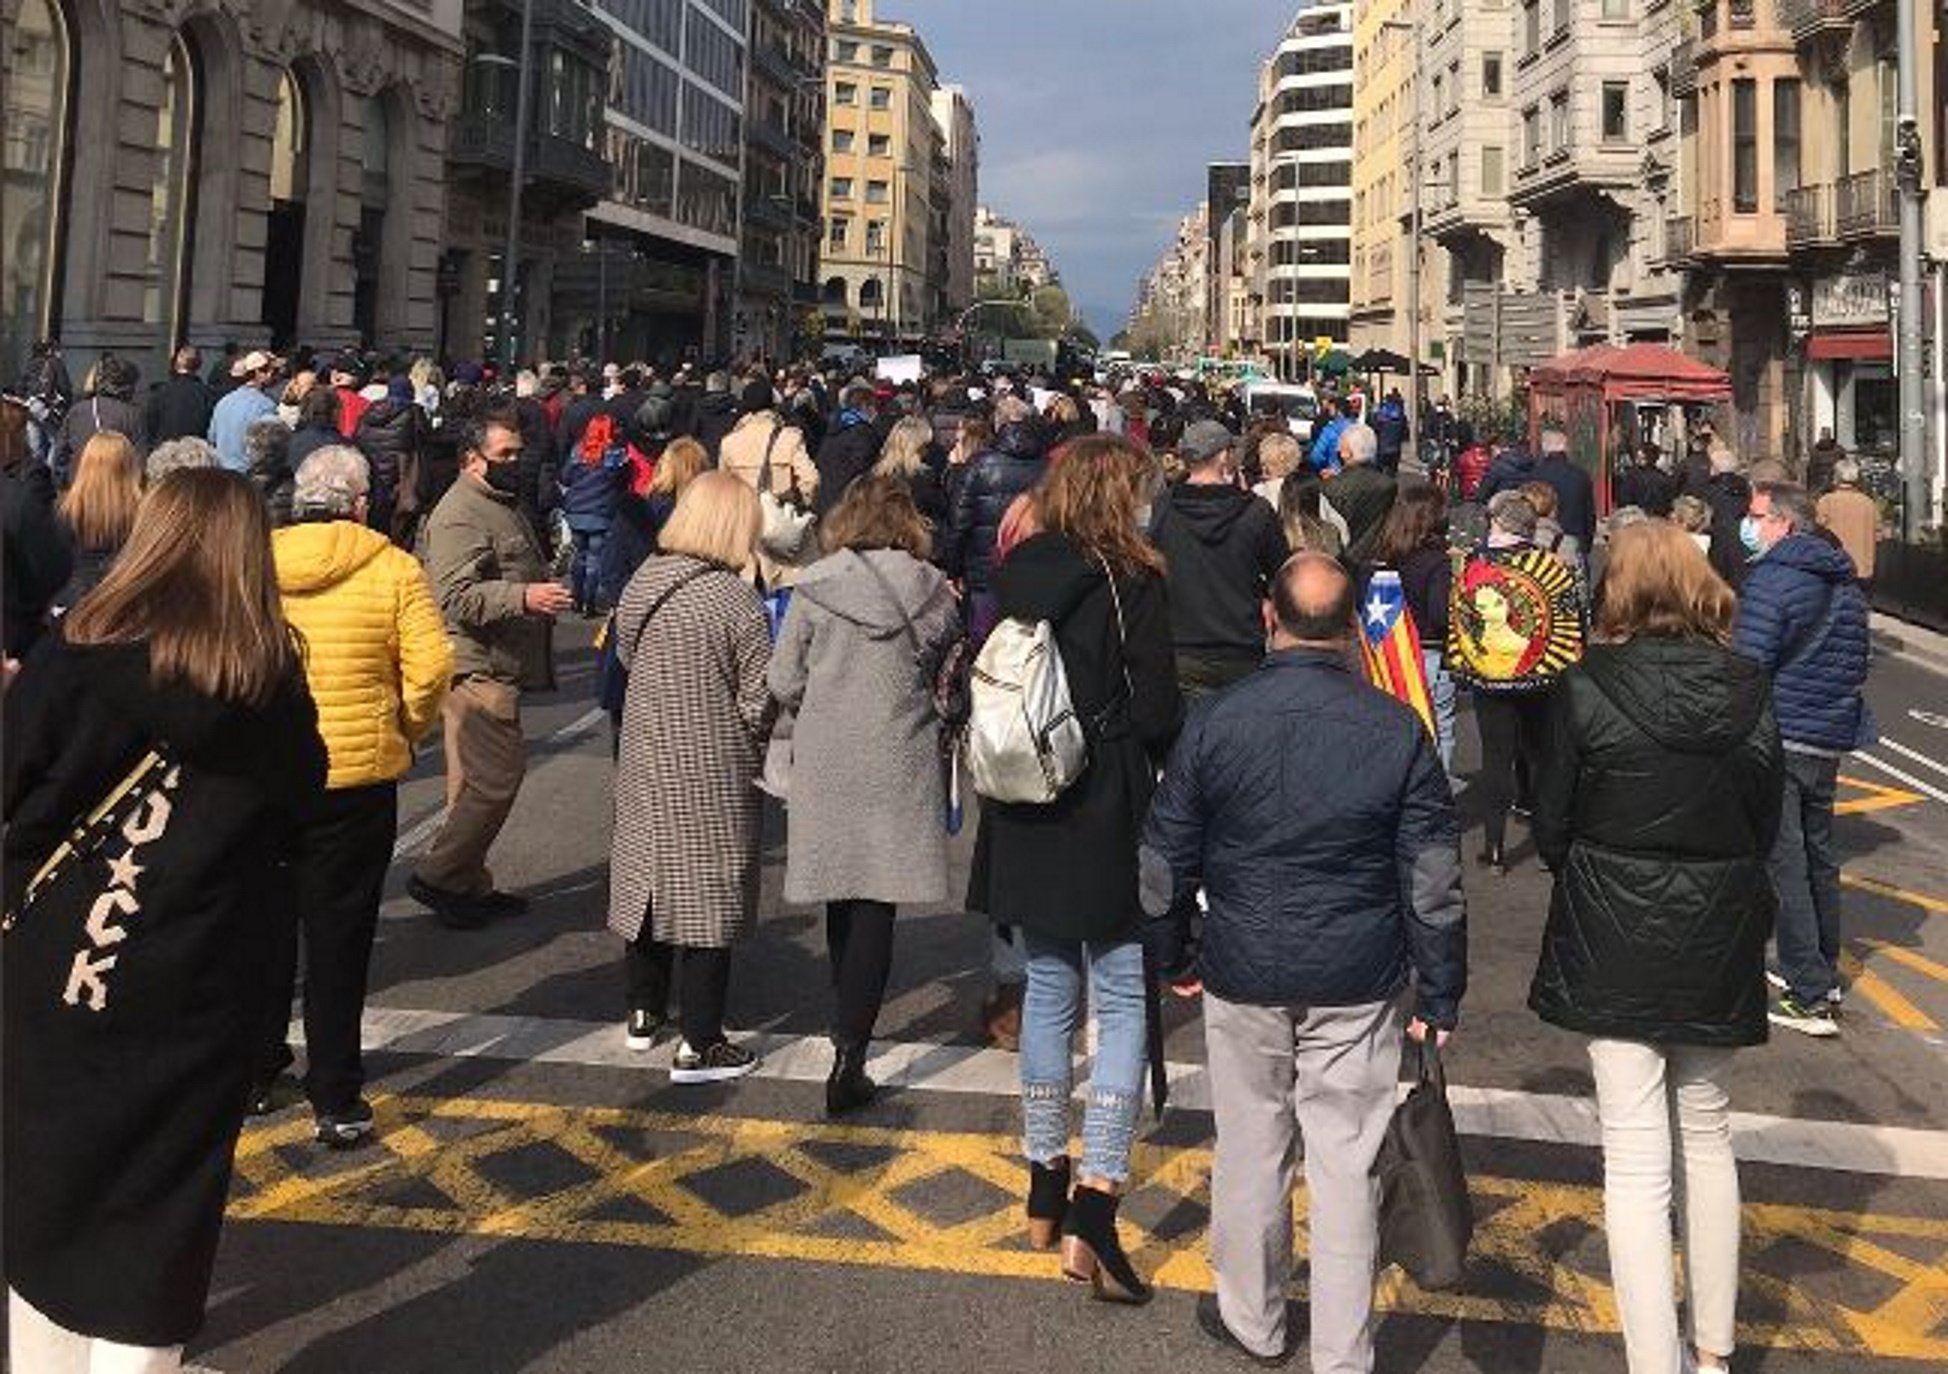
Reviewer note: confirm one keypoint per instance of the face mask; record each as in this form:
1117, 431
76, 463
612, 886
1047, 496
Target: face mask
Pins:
1748, 535
503, 477
1143, 519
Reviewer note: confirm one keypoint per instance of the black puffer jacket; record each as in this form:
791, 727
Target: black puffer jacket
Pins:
846, 455
1657, 806
993, 480
393, 435
716, 415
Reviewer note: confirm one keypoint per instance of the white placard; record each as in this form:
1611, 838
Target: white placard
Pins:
901, 367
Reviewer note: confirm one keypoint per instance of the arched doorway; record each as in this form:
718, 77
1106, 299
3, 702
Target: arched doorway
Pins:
291, 134
368, 243
37, 77
835, 293
172, 193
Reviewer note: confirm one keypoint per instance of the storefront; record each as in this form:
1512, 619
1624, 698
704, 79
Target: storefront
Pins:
1849, 354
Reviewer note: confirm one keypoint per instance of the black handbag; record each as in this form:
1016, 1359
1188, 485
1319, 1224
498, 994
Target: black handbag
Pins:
1426, 1219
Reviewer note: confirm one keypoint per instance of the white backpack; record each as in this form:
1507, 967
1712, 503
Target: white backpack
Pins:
1025, 742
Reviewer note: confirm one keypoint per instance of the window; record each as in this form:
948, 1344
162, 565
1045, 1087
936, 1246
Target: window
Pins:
1887, 77
1559, 122
875, 236
1843, 133
882, 55
1561, 17
845, 50
1454, 179
1492, 177
713, 54
646, 91
169, 192
1531, 27
1662, 76
842, 188
838, 233
879, 145
1440, 95
1454, 86
1785, 140
711, 127
1325, 174
1616, 111
1616, 9
845, 93
1745, 146
1491, 75
878, 193
1531, 136
842, 140
881, 98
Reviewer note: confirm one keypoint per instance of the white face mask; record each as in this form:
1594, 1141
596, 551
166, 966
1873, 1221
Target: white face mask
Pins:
1143, 518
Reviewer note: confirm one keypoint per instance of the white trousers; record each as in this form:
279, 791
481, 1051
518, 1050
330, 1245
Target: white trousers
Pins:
1667, 1144
37, 1344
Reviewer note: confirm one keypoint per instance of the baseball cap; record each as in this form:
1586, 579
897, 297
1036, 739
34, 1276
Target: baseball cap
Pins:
1203, 441
254, 361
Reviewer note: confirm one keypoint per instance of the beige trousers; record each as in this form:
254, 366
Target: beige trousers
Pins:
486, 758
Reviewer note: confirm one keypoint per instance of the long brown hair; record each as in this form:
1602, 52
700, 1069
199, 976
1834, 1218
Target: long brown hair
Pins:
877, 512
1418, 520
1658, 584
1092, 494
196, 583
99, 509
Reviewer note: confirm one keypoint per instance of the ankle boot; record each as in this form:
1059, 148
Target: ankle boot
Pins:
1093, 1254
1048, 1203
1493, 858
847, 1088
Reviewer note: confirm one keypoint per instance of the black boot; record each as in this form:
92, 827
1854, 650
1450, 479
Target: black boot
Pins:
1493, 858
1093, 1254
847, 1088
1048, 1203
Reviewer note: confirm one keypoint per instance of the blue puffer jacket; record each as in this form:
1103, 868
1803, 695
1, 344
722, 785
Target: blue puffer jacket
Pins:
1313, 811
590, 492
1802, 616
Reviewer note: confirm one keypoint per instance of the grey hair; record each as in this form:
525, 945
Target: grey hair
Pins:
1358, 444
1623, 517
1510, 512
1555, 441
1790, 500
1846, 471
267, 438
171, 454
329, 483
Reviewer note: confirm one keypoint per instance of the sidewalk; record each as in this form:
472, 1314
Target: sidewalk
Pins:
1914, 642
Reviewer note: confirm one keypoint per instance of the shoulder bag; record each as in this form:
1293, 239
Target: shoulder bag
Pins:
1426, 1217
611, 677
790, 531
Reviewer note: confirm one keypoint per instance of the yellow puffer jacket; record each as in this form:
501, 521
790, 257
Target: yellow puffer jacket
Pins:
376, 650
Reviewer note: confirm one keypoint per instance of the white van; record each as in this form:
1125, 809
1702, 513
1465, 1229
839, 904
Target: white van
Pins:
1299, 404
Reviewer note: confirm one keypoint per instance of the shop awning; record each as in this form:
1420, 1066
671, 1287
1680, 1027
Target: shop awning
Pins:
1865, 345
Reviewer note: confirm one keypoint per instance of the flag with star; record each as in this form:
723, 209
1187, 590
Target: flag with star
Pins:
1391, 645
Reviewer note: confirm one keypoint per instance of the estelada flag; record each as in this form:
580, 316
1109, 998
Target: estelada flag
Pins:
1391, 645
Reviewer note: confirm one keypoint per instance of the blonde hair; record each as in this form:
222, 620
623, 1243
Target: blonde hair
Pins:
905, 451
1657, 583
99, 509
197, 584
1691, 513
877, 512
1278, 456
1542, 497
717, 519
683, 460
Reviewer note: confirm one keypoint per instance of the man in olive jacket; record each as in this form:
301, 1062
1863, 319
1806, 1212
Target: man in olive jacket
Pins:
485, 562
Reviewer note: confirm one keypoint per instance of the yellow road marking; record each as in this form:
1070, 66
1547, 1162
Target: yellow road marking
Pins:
949, 1202
1870, 986
1937, 905
1879, 797
1907, 958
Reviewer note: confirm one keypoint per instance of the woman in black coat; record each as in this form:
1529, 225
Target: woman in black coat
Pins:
135, 991
1657, 805
1064, 873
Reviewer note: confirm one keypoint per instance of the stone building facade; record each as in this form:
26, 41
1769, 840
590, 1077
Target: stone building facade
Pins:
301, 141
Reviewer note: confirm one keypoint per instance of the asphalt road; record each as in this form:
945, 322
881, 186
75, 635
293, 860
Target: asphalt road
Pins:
542, 1200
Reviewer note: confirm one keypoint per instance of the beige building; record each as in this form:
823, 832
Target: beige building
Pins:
257, 172
1386, 62
879, 176
953, 115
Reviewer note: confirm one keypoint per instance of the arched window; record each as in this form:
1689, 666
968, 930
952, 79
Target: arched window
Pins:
36, 134
871, 293
368, 244
284, 232
835, 291
171, 192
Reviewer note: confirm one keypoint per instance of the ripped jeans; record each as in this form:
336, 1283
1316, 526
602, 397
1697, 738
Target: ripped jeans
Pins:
1051, 1012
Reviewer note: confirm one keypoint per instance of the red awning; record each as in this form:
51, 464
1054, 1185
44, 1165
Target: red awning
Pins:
1865, 345
1637, 372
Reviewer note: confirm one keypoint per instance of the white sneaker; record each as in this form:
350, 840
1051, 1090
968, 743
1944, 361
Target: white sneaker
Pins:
640, 1031
1775, 980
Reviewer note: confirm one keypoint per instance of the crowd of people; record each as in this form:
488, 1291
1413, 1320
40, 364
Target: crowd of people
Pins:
244, 605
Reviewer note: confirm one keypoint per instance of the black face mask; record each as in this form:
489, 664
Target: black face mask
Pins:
502, 477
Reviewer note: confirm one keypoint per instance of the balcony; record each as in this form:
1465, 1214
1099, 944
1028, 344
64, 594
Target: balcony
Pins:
1684, 68
1809, 217
1867, 205
1809, 18
768, 212
1680, 238
765, 279
775, 64
771, 138
560, 171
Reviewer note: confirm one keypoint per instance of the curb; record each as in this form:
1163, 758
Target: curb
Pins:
1911, 642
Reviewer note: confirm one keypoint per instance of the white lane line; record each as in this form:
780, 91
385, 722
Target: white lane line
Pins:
1926, 789
416, 836
1940, 722
1915, 754
1501, 1113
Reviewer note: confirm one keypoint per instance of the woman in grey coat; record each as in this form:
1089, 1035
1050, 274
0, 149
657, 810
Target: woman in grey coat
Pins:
683, 871
868, 624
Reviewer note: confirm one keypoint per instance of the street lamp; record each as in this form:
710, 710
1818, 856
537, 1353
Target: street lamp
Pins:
517, 173
1413, 258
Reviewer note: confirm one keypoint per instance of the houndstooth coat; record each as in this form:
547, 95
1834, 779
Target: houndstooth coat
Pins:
694, 721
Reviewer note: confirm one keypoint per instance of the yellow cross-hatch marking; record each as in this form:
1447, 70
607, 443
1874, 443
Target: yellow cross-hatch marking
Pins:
1814, 1279
1872, 796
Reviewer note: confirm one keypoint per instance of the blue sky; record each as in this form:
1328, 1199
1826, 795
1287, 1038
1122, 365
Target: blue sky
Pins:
1098, 117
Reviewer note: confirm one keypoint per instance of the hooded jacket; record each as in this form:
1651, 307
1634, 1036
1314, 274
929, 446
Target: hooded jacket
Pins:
376, 654
855, 660
1511, 467
716, 414
1656, 808
1222, 546
993, 480
392, 434
1802, 617
847, 454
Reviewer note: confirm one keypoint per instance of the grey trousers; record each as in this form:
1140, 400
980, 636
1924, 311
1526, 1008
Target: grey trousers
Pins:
1277, 1072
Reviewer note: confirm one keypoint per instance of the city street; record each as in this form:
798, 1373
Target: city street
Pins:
540, 1198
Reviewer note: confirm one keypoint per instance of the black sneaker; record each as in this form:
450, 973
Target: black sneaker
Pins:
343, 1130
271, 1095
500, 905
1210, 1319
454, 910
1815, 1020
642, 1028
718, 1063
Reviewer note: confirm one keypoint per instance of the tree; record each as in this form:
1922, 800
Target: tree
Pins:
1120, 341
1053, 313
1082, 336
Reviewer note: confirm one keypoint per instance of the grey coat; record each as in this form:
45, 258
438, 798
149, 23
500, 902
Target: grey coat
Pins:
867, 794
685, 851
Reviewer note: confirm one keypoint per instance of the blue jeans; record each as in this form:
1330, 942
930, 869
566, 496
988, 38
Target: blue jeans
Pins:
1051, 1010
1806, 876
1440, 693
585, 574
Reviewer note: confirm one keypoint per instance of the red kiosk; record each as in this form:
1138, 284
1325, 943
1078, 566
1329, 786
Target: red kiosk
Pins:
1594, 391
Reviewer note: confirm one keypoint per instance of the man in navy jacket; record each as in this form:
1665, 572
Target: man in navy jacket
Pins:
1313, 811
1802, 616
